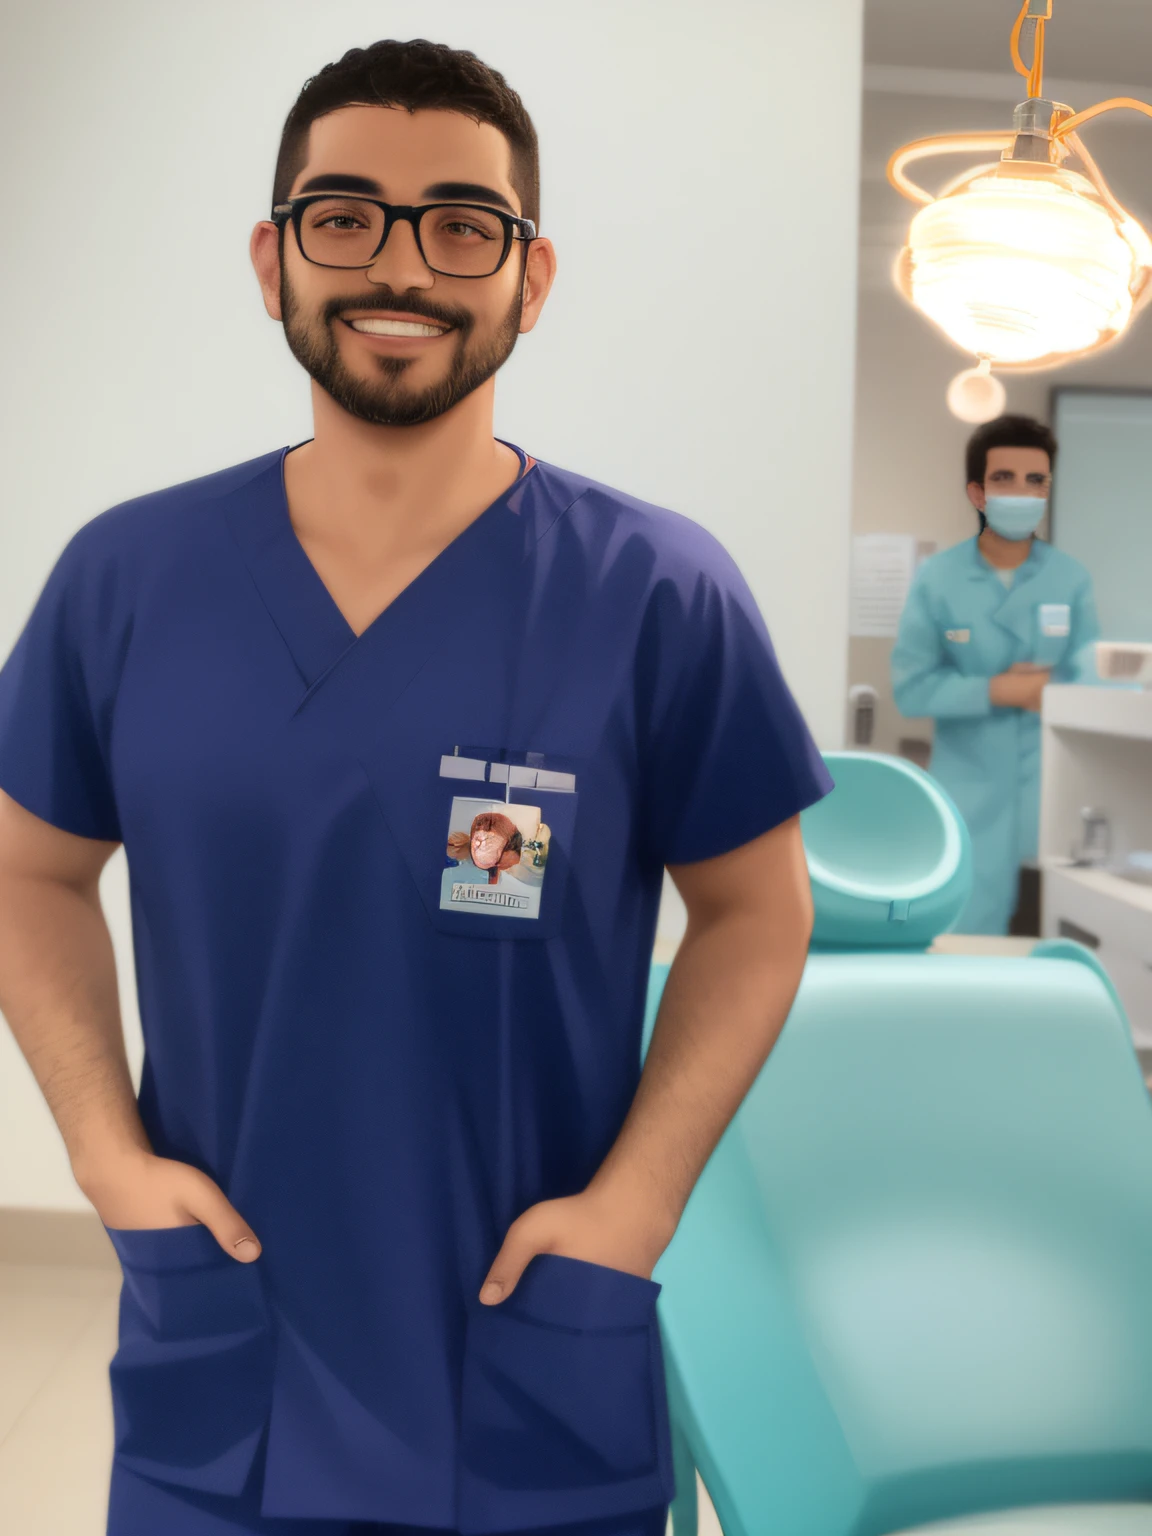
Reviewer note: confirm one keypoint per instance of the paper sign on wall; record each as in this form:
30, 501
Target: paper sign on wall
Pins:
883, 565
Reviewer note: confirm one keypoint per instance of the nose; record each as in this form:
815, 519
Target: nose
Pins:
399, 264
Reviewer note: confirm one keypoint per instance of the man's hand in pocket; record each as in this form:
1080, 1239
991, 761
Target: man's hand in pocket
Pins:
137, 1190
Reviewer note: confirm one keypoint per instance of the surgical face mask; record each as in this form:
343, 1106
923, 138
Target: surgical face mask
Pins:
1015, 517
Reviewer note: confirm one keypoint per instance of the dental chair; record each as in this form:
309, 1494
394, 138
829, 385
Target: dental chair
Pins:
912, 1289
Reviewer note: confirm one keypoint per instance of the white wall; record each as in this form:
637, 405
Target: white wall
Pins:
696, 350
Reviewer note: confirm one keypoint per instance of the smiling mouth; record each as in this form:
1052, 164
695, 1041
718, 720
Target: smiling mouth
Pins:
397, 327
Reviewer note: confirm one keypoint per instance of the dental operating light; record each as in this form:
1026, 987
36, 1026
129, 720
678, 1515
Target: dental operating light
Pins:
1026, 262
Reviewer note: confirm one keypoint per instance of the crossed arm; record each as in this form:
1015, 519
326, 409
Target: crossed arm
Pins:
925, 682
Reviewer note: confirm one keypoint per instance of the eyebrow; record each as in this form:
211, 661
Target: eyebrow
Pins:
340, 181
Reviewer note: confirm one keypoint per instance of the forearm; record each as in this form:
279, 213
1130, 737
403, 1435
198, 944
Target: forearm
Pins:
58, 991
943, 695
728, 994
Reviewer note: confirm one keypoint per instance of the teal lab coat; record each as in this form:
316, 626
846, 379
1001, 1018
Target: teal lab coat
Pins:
960, 628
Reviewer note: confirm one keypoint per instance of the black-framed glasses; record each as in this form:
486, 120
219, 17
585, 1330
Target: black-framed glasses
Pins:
454, 239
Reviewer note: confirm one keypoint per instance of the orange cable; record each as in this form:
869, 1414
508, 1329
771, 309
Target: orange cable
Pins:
940, 144
1070, 124
1036, 78
1018, 62
1078, 147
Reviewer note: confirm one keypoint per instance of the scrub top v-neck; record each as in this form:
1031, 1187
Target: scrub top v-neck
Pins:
393, 903
524, 462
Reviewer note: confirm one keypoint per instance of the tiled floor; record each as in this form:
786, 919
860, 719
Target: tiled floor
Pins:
57, 1335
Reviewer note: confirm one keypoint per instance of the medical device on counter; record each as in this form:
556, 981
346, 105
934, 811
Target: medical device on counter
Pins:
1095, 843
1124, 661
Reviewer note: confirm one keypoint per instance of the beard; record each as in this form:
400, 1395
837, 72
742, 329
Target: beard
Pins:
386, 401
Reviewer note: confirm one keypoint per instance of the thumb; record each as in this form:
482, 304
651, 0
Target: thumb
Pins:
212, 1207
507, 1267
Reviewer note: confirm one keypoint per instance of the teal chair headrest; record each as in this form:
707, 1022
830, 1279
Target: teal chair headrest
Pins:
889, 856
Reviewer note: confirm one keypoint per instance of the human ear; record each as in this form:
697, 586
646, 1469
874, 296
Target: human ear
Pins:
539, 275
264, 250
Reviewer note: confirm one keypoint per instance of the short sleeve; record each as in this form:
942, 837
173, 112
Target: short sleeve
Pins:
52, 759
727, 754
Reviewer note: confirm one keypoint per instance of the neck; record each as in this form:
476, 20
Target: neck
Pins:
388, 484
1003, 553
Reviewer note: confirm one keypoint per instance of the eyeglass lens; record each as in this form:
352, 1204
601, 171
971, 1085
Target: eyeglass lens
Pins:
344, 232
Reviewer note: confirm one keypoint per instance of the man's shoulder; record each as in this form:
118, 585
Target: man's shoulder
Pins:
939, 568
140, 521
671, 542
1065, 566
961, 554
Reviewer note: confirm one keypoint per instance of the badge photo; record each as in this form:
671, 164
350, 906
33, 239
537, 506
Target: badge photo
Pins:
958, 636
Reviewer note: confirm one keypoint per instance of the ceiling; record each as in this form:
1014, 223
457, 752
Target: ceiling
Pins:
1085, 40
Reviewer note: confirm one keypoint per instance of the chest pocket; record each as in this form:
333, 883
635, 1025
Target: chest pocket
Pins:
487, 834
1052, 629
958, 646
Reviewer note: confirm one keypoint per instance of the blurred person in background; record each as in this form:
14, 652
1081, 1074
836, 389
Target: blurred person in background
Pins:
986, 626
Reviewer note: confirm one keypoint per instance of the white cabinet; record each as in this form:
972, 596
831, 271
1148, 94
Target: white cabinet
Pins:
1097, 751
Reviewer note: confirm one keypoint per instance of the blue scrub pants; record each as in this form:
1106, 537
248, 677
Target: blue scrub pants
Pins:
137, 1506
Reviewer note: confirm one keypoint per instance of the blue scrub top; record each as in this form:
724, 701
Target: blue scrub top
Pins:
393, 901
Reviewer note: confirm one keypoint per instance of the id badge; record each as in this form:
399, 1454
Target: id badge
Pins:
1055, 619
497, 846
487, 833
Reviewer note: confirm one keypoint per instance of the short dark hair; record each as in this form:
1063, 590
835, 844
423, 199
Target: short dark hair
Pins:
414, 75
1006, 432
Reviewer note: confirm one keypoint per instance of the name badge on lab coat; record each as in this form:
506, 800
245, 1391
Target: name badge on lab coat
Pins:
1055, 619
960, 636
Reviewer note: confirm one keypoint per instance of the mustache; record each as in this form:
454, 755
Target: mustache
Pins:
419, 309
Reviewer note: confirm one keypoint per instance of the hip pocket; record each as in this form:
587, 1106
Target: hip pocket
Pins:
192, 1377
564, 1406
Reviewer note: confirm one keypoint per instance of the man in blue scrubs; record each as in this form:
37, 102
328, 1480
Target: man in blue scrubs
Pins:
987, 624
389, 1200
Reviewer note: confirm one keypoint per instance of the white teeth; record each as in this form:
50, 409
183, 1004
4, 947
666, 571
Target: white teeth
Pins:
395, 328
